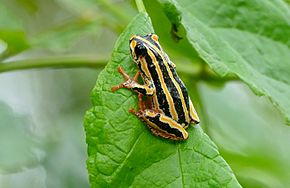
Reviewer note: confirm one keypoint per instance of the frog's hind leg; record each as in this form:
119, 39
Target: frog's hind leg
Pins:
162, 125
163, 134
141, 104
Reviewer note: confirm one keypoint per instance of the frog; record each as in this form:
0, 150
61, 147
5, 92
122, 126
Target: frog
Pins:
167, 109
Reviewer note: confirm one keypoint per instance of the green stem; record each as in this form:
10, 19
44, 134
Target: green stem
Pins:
59, 62
140, 6
97, 63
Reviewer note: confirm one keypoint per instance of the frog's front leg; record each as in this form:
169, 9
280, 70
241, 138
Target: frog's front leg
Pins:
162, 125
147, 89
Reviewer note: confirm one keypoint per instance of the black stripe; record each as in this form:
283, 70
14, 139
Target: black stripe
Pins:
164, 126
140, 90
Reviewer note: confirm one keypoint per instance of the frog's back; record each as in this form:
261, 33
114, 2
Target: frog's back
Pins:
171, 93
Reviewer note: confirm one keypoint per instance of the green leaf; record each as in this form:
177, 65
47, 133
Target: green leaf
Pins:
11, 32
247, 38
121, 150
16, 41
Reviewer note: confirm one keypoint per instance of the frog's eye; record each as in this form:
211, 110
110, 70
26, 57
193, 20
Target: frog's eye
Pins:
140, 50
154, 37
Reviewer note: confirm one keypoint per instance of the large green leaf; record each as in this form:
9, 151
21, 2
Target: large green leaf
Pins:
247, 38
121, 150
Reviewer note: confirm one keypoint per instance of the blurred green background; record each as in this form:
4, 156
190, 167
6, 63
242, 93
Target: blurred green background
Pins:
42, 141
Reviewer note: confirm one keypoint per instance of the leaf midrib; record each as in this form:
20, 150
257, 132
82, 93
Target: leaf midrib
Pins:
180, 165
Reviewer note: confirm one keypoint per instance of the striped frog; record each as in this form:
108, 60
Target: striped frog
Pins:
168, 109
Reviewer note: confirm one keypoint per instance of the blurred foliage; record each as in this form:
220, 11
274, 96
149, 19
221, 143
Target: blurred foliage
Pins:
42, 142
42, 139
10, 160
251, 134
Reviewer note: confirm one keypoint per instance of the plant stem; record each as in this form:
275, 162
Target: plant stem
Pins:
59, 62
140, 6
97, 63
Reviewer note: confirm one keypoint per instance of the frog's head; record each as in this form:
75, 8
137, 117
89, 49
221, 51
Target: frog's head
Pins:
139, 45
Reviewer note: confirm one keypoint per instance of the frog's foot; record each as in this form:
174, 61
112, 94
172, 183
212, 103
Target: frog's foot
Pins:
141, 105
132, 110
129, 82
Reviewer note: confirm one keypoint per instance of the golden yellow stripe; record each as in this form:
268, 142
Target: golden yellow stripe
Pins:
193, 113
150, 113
174, 124
145, 68
133, 44
156, 102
